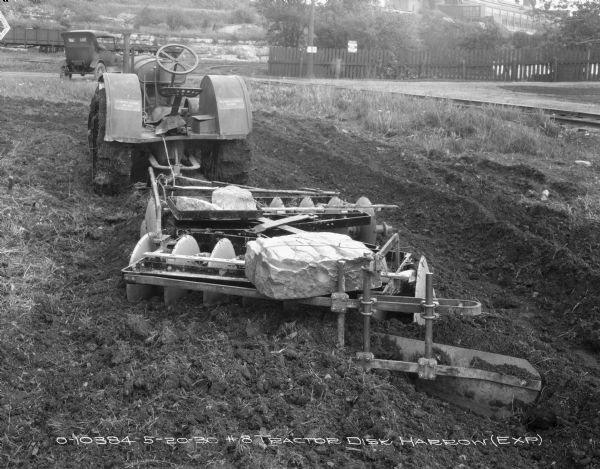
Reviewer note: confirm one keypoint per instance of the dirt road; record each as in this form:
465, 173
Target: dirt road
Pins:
568, 96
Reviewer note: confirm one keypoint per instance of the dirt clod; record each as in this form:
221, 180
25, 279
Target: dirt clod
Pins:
138, 325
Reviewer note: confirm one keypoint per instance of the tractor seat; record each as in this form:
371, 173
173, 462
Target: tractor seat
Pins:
178, 91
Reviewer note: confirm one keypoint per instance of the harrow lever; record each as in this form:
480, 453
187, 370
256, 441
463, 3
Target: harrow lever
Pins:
428, 314
339, 303
367, 302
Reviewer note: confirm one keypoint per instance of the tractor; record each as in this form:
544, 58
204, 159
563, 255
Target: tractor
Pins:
148, 118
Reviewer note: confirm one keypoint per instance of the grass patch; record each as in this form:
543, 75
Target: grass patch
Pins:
589, 207
516, 143
30, 60
55, 90
435, 124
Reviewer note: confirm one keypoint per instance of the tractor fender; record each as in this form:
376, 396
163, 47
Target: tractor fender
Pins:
225, 97
123, 106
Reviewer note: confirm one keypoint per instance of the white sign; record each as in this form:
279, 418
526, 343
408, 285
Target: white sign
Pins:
352, 46
311, 49
5, 26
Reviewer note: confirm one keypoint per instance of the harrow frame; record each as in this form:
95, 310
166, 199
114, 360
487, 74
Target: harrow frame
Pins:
487, 392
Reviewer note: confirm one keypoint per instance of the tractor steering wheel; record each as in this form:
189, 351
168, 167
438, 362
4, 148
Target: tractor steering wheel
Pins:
169, 56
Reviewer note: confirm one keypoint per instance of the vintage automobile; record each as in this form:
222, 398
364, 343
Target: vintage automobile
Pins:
88, 51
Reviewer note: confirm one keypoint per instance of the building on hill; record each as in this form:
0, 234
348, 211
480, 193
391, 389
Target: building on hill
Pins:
513, 15
408, 6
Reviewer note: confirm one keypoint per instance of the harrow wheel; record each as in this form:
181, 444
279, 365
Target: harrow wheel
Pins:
135, 292
188, 246
226, 161
367, 233
150, 223
143, 228
111, 161
277, 203
420, 286
222, 250
307, 202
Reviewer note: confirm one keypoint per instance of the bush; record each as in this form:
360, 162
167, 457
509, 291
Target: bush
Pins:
176, 19
83, 17
148, 17
244, 15
64, 22
377, 30
486, 37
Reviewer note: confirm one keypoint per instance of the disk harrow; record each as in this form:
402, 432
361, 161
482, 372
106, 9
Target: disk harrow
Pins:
188, 243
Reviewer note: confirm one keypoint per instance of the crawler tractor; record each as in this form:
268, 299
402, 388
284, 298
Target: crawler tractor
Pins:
149, 118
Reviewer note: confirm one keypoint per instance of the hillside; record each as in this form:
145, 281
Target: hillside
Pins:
226, 19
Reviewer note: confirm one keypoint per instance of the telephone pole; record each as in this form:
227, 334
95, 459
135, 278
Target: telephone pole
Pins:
311, 37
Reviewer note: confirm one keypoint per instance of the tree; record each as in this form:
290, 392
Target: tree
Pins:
583, 25
439, 32
436, 31
176, 19
349, 6
286, 21
371, 27
521, 39
477, 37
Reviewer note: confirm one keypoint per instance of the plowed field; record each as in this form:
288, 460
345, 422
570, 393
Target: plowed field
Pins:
90, 380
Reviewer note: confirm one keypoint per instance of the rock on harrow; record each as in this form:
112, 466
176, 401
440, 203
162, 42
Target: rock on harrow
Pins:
190, 243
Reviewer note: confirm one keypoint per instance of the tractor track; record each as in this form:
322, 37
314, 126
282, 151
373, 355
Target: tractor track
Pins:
566, 116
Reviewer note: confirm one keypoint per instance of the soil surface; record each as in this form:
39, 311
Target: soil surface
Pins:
89, 380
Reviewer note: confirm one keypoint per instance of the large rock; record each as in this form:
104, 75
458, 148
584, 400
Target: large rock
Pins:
305, 265
190, 204
233, 198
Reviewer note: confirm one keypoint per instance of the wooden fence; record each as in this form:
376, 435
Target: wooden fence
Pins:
533, 64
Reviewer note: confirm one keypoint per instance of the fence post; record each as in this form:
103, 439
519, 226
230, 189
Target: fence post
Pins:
126, 51
587, 65
503, 65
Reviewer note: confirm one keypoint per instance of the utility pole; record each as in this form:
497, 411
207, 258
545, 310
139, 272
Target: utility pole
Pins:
126, 51
311, 37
